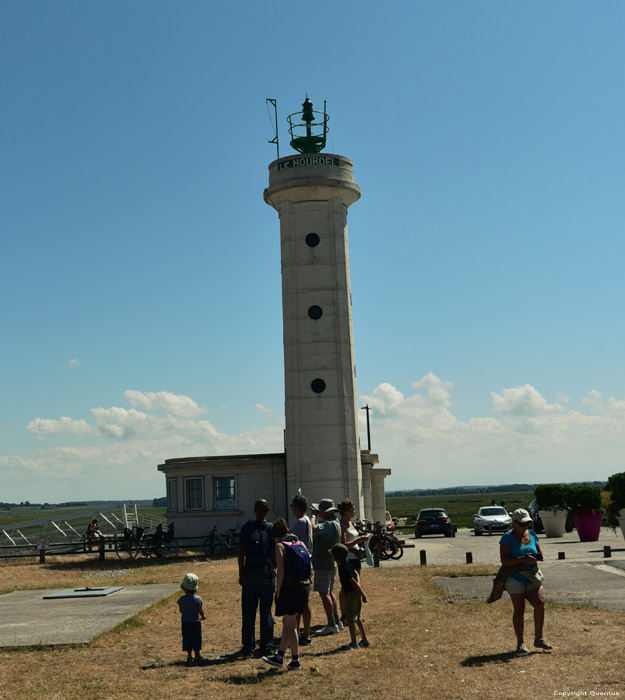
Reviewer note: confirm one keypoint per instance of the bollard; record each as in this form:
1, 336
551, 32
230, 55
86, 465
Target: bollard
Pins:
423, 557
561, 555
607, 551
469, 557
376, 557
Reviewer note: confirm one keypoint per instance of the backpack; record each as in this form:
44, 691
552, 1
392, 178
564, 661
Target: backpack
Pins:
299, 560
258, 547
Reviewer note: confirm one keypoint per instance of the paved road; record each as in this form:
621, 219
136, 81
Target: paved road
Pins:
583, 576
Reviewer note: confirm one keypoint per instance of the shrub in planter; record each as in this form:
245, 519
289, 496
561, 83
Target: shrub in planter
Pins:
585, 502
585, 499
616, 485
552, 496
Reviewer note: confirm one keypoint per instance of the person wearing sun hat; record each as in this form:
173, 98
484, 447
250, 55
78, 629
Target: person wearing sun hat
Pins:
191, 608
326, 533
519, 549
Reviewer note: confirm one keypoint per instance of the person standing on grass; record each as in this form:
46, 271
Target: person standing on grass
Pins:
302, 529
352, 540
191, 608
520, 552
354, 597
257, 581
292, 591
326, 533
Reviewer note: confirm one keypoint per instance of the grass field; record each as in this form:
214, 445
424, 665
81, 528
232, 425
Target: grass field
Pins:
425, 644
19, 514
460, 507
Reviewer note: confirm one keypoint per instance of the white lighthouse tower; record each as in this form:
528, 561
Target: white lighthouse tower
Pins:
312, 191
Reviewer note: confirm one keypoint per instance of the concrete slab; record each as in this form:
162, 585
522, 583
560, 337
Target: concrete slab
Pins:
28, 619
601, 585
87, 592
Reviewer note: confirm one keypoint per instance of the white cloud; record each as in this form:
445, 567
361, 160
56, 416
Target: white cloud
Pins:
74, 363
594, 400
261, 408
523, 401
64, 425
172, 404
417, 435
125, 445
527, 440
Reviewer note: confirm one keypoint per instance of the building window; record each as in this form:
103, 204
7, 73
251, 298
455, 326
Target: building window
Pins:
315, 312
312, 239
172, 495
318, 386
225, 493
194, 493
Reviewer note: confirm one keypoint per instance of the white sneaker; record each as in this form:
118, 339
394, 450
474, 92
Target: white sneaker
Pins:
340, 625
327, 630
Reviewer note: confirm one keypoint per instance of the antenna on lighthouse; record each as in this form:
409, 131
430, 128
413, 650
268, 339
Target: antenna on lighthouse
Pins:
307, 137
274, 103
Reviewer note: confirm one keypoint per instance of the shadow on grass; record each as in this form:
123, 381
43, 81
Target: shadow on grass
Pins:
504, 658
251, 678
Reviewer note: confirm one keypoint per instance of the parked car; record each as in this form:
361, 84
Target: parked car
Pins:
389, 522
491, 519
434, 521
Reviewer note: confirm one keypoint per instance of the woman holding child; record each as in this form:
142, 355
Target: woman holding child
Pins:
520, 553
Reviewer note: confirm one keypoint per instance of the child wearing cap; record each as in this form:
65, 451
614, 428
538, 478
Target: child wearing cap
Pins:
354, 596
191, 610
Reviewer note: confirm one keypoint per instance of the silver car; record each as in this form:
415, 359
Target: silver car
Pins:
491, 519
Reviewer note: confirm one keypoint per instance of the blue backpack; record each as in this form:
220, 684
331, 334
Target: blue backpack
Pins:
299, 560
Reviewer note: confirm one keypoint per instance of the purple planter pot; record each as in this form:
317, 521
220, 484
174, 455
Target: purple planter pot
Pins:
588, 526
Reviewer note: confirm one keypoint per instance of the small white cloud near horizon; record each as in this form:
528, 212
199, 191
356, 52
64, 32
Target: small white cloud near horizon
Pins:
166, 402
523, 401
261, 408
73, 363
64, 425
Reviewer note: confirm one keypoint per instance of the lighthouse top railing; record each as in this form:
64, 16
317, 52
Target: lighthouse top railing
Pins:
306, 136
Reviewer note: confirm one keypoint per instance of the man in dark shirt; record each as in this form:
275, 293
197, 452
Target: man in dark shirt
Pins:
257, 580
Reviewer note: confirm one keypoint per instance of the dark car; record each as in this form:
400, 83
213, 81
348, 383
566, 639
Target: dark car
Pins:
434, 521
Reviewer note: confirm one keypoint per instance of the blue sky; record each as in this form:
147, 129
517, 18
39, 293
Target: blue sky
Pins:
140, 269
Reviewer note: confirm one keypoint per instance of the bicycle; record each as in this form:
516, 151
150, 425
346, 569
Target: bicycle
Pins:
386, 543
160, 545
127, 548
220, 542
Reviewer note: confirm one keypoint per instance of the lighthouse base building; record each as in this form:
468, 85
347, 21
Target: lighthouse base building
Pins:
206, 491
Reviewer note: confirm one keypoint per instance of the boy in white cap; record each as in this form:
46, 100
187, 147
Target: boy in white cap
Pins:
191, 608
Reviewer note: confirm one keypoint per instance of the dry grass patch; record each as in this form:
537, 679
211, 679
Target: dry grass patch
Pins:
424, 644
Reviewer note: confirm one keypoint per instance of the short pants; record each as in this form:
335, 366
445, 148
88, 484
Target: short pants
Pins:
323, 581
513, 586
292, 600
191, 636
353, 605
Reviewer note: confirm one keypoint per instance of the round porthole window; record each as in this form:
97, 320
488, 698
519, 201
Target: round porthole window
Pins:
315, 312
318, 385
312, 239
